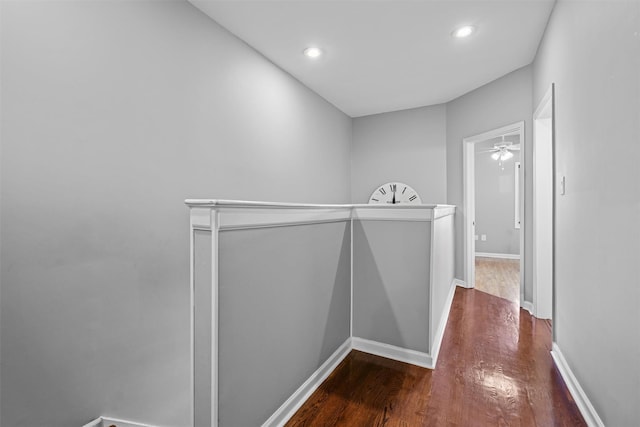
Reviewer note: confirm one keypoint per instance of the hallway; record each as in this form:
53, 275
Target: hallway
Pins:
494, 369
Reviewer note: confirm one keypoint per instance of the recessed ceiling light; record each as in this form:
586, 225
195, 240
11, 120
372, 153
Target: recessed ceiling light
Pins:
464, 31
313, 52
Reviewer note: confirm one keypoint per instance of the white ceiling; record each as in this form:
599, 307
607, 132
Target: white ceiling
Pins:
388, 55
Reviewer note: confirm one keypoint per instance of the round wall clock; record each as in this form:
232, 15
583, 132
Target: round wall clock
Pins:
394, 193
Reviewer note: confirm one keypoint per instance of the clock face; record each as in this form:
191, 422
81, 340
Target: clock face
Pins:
394, 193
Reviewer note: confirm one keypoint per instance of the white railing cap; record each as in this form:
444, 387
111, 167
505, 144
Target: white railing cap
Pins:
222, 203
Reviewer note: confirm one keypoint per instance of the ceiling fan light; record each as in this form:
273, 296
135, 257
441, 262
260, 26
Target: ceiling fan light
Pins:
495, 155
506, 155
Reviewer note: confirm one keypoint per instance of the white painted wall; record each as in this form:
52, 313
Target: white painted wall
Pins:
112, 114
499, 103
591, 51
408, 146
543, 210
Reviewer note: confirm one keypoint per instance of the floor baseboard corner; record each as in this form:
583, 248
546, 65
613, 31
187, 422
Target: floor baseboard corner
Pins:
393, 352
95, 423
108, 421
496, 255
460, 283
579, 396
439, 335
528, 305
297, 399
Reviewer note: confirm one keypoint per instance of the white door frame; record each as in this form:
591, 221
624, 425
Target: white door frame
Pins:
469, 181
543, 206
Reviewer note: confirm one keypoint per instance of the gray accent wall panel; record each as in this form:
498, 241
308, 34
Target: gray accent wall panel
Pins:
284, 301
391, 282
202, 327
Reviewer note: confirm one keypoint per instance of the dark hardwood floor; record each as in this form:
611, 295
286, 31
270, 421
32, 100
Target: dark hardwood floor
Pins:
494, 369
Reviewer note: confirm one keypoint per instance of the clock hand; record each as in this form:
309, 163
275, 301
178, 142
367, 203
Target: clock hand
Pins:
393, 200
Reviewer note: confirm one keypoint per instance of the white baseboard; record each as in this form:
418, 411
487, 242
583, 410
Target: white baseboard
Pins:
295, 401
528, 305
95, 423
461, 283
392, 352
107, 422
437, 339
493, 255
579, 396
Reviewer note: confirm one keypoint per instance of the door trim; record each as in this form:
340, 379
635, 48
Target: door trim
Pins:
543, 206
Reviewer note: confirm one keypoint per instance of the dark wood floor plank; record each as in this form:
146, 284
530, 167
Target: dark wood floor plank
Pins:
494, 369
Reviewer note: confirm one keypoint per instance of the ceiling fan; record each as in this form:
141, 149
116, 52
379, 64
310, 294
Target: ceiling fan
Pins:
502, 150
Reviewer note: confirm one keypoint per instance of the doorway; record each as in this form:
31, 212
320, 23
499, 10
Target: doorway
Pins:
499, 242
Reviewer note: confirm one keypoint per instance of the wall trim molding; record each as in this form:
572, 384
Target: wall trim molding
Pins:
238, 214
579, 396
528, 305
461, 283
393, 352
107, 421
496, 255
439, 335
300, 396
392, 214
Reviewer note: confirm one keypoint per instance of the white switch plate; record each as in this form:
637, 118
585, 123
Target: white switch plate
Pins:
483, 237
563, 185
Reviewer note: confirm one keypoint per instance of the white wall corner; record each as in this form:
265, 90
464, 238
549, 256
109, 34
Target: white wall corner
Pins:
107, 422
587, 410
495, 255
95, 423
461, 283
300, 396
528, 305
393, 352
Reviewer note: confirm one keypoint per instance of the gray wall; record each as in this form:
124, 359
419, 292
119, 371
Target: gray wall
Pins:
504, 101
591, 51
113, 113
285, 305
391, 282
202, 330
495, 201
407, 146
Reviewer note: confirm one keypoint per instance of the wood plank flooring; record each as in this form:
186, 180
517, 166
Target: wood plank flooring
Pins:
494, 369
499, 277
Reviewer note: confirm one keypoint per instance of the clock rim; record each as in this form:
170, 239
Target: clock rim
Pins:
419, 202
